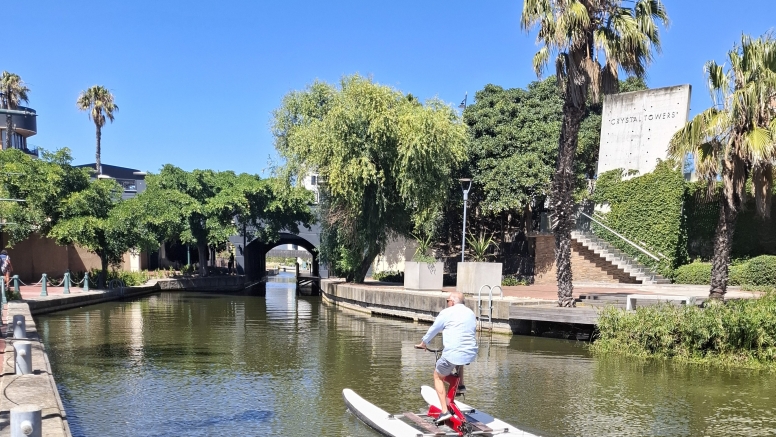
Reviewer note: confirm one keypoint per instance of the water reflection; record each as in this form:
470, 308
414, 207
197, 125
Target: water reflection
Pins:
201, 364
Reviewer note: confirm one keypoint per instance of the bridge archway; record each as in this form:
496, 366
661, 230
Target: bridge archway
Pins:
255, 254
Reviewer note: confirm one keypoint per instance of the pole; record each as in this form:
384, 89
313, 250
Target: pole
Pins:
463, 237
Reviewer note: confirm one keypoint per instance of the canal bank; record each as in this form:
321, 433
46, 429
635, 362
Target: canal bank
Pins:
501, 314
39, 388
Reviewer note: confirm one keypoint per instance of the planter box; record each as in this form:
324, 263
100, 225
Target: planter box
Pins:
473, 275
423, 276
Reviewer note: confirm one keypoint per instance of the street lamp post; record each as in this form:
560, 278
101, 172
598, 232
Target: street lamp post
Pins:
466, 185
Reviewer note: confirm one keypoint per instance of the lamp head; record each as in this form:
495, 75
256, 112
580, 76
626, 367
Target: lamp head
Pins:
466, 184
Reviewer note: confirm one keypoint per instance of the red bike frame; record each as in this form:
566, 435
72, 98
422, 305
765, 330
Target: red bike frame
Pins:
456, 422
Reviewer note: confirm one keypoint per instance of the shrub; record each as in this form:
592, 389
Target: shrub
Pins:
760, 271
736, 332
694, 273
388, 276
509, 281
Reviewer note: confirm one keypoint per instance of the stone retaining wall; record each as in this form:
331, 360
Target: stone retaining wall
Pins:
397, 302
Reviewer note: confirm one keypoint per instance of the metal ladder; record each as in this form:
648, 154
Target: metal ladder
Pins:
481, 316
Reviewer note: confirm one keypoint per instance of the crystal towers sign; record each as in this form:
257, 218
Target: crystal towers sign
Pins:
636, 127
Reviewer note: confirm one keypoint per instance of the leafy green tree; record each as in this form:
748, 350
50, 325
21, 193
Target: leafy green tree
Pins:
13, 92
89, 219
385, 158
592, 40
101, 105
42, 184
205, 208
735, 139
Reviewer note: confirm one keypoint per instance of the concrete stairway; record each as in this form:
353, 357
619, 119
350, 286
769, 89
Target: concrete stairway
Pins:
618, 258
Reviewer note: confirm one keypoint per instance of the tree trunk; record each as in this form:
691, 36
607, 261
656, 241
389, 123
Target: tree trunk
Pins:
97, 163
103, 277
561, 201
723, 244
365, 264
8, 128
202, 255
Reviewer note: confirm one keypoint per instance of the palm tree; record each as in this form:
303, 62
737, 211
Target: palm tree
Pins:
13, 92
592, 40
735, 139
100, 104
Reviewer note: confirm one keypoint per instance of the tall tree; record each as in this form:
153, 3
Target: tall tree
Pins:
101, 105
735, 139
592, 41
13, 92
386, 160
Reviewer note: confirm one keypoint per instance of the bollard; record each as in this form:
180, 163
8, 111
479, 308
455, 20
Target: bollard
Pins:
26, 421
67, 283
22, 357
19, 326
16, 284
43, 289
4, 299
86, 281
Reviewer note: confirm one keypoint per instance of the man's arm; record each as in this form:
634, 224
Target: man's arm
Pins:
436, 328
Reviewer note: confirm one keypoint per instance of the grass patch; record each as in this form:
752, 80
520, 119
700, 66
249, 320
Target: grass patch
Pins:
736, 333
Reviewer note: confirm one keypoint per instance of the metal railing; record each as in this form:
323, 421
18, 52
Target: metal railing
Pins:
639, 248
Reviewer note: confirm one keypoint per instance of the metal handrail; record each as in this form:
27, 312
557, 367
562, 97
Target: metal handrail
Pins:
622, 237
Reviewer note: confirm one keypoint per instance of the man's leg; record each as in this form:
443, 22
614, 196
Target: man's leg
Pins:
439, 385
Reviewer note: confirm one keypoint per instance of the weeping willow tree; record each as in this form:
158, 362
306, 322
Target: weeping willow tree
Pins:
735, 140
385, 160
592, 41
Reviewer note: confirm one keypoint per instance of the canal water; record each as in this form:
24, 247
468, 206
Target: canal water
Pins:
205, 364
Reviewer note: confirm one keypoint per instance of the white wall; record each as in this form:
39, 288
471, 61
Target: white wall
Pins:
636, 127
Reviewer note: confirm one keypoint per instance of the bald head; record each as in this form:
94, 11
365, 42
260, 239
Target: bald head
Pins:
456, 297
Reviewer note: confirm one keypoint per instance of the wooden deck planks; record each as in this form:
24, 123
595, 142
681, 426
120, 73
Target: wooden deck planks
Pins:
429, 427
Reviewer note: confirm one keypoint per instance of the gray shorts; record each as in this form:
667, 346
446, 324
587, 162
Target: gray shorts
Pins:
444, 367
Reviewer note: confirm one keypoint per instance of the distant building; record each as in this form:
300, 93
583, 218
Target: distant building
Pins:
132, 180
24, 126
311, 182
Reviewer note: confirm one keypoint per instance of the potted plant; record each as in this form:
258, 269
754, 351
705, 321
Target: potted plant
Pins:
423, 273
473, 275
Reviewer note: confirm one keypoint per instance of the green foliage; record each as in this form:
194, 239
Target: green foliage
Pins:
422, 251
759, 271
515, 144
509, 281
200, 207
755, 272
648, 211
737, 332
386, 161
389, 276
478, 246
753, 235
694, 273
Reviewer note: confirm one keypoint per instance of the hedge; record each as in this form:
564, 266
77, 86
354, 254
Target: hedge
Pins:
759, 271
738, 332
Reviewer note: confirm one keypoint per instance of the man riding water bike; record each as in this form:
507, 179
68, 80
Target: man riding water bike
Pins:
458, 326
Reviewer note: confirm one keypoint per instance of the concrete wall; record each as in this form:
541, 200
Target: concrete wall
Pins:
37, 255
636, 127
586, 266
396, 252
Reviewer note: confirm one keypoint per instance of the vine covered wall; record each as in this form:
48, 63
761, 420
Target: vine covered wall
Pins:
647, 210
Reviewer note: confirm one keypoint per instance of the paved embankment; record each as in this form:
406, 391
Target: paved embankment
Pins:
39, 388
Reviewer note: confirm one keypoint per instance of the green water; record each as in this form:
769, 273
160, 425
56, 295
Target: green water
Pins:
198, 364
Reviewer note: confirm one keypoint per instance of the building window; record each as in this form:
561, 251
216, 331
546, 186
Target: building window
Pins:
313, 180
127, 184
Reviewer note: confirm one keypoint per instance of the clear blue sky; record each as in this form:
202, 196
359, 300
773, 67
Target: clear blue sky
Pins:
196, 81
